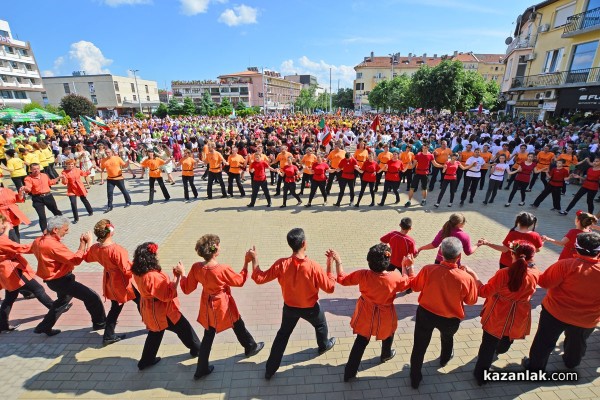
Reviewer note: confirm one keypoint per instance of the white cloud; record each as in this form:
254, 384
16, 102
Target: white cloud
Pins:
116, 3
47, 73
193, 7
89, 58
320, 69
55, 68
239, 15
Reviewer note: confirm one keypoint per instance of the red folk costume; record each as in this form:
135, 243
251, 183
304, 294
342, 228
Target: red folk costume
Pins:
72, 178
375, 314
532, 237
9, 208
507, 313
116, 281
55, 260
11, 261
217, 306
158, 300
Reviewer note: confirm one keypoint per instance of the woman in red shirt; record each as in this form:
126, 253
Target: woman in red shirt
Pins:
368, 176
524, 229
290, 173
449, 173
589, 188
523, 172
392, 169
71, 176
159, 304
218, 311
319, 179
583, 221
375, 314
506, 313
10, 210
347, 167
259, 178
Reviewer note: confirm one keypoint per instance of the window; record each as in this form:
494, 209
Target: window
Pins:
20, 95
94, 99
118, 97
496, 69
583, 56
134, 97
91, 87
28, 67
235, 90
561, 15
225, 89
214, 90
116, 86
18, 79
9, 49
23, 52
196, 90
4, 34
132, 88
6, 94
359, 75
146, 86
14, 64
243, 90
360, 86
552, 63
67, 88
147, 98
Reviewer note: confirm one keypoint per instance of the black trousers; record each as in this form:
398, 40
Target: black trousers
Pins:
519, 186
40, 203
188, 182
425, 323
114, 312
332, 176
67, 288
459, 174
358, 350
306, 178
238, 181
31, 286
289, 188
184, 332
241, 333
314, 315
408, 175
434, 173
554, 191
86, 203
313, 190
18, 182
453, 185
279, 182
50, 171
163, 189
511, 179
470, 184
378, 177
215, 177
580, 193
534, 178
492, 190
548, 332
343, 183
482, 180
14, 234
110, 188
260, 185
489, 346
390, 186
363, 186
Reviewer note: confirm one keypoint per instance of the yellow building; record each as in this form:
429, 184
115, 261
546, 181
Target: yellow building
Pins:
552, 61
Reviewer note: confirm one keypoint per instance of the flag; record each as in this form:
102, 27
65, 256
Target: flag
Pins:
97, 123
322, 123
375, 124
480, 109
327, 136
339, 111
86, 124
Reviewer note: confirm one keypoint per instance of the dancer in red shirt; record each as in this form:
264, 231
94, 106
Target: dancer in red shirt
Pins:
290, 173
523, 172
392, 170
583, 222
71, 176
401, 245
557, 179
259, 179
589, 188
449, 174
319, 179
421, 164
368, 176
347, 169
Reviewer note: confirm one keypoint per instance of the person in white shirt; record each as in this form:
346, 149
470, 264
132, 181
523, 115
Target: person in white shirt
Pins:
497, 172
472, 176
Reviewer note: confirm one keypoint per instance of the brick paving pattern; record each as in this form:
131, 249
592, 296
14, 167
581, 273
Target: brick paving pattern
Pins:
74, 363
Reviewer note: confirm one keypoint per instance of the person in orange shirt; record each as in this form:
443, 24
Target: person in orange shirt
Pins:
71, 176
506, 313
444, 288
361, 154
544, 161
215, 162
16, 275
518, 158
570, 305
159, 304
375, 314
407, 157
202, 156
487, 157
237, 164
117, 283
308, 161
441, 156
301, 279
282, 159
114, 177
334, 157
218, 311
188, 164
153, 164
10, 210
38, 185
55, 266
384, 157
463, 156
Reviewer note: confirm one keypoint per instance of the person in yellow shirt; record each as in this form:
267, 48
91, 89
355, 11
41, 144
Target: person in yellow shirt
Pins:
16, 167
29, 157
2, 151
46, 152
153, 164
237, 164
335, 157
307, 162
281, 158
215, 162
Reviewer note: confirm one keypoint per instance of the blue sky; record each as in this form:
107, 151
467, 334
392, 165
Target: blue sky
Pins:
201, 39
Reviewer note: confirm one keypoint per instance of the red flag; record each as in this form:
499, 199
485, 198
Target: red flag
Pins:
480, 109
327, 136
375, 124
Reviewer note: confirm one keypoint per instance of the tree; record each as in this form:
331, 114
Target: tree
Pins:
378, 98
400, 97
162, 111
306, 99
491, 98
174, 107
473, 91
206, 104
31, 106
188, 106
344, 98
225, 108
322, 101
75, 105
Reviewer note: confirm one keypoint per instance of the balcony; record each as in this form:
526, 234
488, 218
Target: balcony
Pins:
582, 23
522, 42
580, 77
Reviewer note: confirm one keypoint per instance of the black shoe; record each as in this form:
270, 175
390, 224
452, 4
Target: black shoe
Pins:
357, 205
485, 202
282, 206
479, 378
250, 205
96, 326
127, 205
491, 202
525, 362
268, 204
51, 332
75, 221
329, 346
142, 367
444, 362
268, 376
563, 212
224, 196
533, 205
372, 204
470, 201
462, 203
336, 204
113, 339
349, 378
255, 350
277, 193
201, 375
307, 205
10, 328
388, 357
90, 214
108, 209
415, 382
149, 203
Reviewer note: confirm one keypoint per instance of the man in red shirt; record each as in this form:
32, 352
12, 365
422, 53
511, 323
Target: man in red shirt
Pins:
401, 244
570, 305
259, 179
38, 184
421, 165
300, 279
347, 168
558, 177
444, 288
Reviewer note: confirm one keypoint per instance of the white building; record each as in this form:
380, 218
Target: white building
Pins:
112, 95
20, 80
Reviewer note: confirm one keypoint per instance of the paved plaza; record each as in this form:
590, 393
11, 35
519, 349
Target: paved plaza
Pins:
74, 363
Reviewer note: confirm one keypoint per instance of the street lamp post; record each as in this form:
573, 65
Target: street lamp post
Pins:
135, 71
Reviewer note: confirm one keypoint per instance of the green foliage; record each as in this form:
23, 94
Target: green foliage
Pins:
188, 106
174, 108
140, 115
322, 101
240, 106
306, 101
55, 110
206, 104
75, 105
344, 98
162, 111
31, 106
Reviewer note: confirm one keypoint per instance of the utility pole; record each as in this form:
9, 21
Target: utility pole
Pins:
135, 71
330, 108
264, 92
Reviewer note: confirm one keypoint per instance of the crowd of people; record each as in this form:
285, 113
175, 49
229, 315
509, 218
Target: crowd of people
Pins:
411, 150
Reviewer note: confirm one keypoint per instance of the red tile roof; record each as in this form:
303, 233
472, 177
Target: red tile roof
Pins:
403, 62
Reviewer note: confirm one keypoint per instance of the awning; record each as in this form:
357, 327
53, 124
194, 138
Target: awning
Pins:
584, 98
